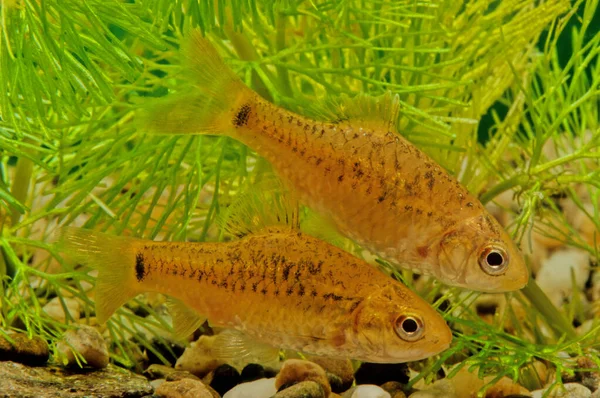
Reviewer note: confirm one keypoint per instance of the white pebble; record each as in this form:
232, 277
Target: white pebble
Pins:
370, 391
555, 278
252, 389
86, 341
570, 390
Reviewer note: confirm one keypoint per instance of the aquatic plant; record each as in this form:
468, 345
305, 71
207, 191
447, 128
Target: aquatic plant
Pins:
75, 72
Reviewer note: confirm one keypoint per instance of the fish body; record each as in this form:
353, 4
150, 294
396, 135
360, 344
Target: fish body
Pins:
375, 186
279, 287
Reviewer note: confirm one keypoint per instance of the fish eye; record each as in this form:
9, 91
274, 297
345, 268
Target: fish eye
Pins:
409, 327
493, 260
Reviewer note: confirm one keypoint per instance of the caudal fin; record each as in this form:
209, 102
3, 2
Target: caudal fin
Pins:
209, 105
112, 256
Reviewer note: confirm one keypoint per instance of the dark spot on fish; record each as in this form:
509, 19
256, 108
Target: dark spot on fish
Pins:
313, 293
241, 117
318, 161
419, 211
254, 286
431, 180
332, 296
140, 269
470, 204
301, 291
408, 208
355, 305
381, 198
264, 291
315, 269
289, 291
423, 250
338, 340
429, 213
341, 178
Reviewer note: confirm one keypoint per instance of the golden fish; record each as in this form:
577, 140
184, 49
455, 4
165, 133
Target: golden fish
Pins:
375, 186
279, 287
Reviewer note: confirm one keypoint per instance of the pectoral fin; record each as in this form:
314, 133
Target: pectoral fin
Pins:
232, 345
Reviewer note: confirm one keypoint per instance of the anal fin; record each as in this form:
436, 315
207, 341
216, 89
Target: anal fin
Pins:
185, 320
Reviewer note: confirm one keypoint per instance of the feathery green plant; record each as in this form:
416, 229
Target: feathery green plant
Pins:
75, 72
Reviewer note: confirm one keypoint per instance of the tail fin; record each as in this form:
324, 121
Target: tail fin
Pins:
209, 106
112, 256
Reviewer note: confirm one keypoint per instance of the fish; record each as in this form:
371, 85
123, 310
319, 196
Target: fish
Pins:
356, 170
274, 288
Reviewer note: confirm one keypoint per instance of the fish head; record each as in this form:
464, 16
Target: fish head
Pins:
395, 325
478, 254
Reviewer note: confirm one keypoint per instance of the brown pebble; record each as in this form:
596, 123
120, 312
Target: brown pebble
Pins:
185, 388
340, 367
29, 351
198, 357
298, 370
394, 388
304, 389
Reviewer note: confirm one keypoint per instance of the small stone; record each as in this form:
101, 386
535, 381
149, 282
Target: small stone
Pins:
340, 367
304, 389
186, 388
379, 373
554, 277
367, 391
298, 370
180, 375
335, 382
86, 341
30, 351
568, 390
224, 378
589, 377
252, 371
55, 310
256, 388
440, 389
394, 388
198, 358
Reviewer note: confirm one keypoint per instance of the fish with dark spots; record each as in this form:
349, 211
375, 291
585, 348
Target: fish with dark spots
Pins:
319, 305
363, 134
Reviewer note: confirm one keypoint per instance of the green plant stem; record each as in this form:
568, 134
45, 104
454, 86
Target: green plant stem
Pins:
20, 187
555, 319
247, 52
282, 72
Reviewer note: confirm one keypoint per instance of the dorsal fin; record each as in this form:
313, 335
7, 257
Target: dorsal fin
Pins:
379, 112
265, 205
